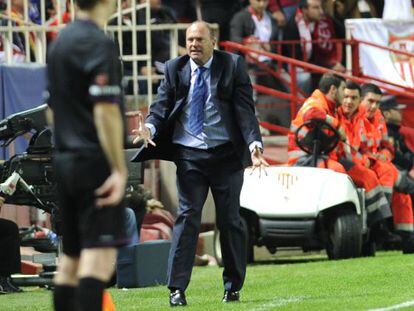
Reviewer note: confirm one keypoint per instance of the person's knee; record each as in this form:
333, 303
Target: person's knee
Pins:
98, 263
67, 271
229, 223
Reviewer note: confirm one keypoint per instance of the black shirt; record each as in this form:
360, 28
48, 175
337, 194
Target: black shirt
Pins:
83, 69
404, 158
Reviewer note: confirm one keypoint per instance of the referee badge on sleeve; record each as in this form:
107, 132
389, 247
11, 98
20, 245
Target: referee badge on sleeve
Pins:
101, 91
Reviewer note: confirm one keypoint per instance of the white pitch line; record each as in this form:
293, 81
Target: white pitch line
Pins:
278, 303
396, 307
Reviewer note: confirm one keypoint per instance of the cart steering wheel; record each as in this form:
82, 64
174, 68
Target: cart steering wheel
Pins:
321, 137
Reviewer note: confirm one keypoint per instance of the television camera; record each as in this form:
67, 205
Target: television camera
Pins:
27, 178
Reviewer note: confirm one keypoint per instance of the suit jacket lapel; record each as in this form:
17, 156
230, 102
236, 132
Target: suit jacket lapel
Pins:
216, 70
182, 88
184, 76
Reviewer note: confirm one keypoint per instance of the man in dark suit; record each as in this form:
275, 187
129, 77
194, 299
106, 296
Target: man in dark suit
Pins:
203, 119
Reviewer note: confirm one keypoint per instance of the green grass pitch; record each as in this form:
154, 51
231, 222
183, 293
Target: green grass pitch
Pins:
287, 283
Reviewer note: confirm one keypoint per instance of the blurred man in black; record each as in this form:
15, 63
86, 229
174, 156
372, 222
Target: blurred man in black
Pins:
9, 254
404, 157
86, 99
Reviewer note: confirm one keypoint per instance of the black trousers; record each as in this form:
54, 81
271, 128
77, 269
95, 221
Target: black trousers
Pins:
220, 170
9, 248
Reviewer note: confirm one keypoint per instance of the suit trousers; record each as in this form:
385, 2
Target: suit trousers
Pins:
198, 170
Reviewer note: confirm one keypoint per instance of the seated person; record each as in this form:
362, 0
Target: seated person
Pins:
160, 42
282, 10
255, 27
357, 154
131, 226
397, 181
136, 200
9, 254
323, 105
392, 112
311, 23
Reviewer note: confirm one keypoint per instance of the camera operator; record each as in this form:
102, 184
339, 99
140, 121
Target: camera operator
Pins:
9, 253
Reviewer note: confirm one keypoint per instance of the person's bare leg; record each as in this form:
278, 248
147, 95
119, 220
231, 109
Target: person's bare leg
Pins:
66, 281
96, 266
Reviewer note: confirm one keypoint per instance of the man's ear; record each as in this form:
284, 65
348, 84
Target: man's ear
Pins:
214, 41
332, 91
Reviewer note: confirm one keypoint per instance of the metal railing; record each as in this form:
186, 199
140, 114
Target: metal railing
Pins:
294, 96
35, 38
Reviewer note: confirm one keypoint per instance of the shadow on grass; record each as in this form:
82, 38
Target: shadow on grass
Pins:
284, 261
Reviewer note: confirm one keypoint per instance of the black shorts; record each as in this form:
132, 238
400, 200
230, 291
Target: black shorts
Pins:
84, 225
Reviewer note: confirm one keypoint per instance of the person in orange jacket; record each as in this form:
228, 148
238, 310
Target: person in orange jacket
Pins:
380, 151
352, 120
322, 104
380, 147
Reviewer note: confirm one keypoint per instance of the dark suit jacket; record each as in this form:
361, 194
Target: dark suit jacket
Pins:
404, 157
235, 105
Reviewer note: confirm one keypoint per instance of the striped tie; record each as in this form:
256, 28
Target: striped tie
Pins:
197, 103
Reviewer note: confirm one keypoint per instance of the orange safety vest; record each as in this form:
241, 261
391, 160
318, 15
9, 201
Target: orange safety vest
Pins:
377, 132
356, 137
317, 106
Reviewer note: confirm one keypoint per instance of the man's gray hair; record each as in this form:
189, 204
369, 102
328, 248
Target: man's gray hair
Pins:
207, 25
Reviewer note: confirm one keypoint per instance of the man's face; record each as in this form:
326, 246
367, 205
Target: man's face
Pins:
340, 93
259, 6
199, 43
339, 7
350, 102
314, 10
393, 116
18, 4
371, 103
154, 4
126, 4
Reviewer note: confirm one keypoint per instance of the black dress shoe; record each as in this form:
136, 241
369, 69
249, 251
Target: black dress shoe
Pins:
230, 296
177, 298
7, 286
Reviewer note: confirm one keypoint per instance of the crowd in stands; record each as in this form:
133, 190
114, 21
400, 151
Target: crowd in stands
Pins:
260, 24
284, 19
18, 17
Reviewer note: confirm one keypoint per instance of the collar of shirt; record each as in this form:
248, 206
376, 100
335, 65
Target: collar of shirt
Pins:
194, 66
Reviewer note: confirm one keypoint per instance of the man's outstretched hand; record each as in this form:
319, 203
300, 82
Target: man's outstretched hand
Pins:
259, 161
142, 132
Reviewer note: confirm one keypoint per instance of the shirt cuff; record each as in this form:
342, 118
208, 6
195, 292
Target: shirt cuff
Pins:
151, 128
255, 144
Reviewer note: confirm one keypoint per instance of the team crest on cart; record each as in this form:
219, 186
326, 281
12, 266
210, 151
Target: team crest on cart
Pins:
287, 180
